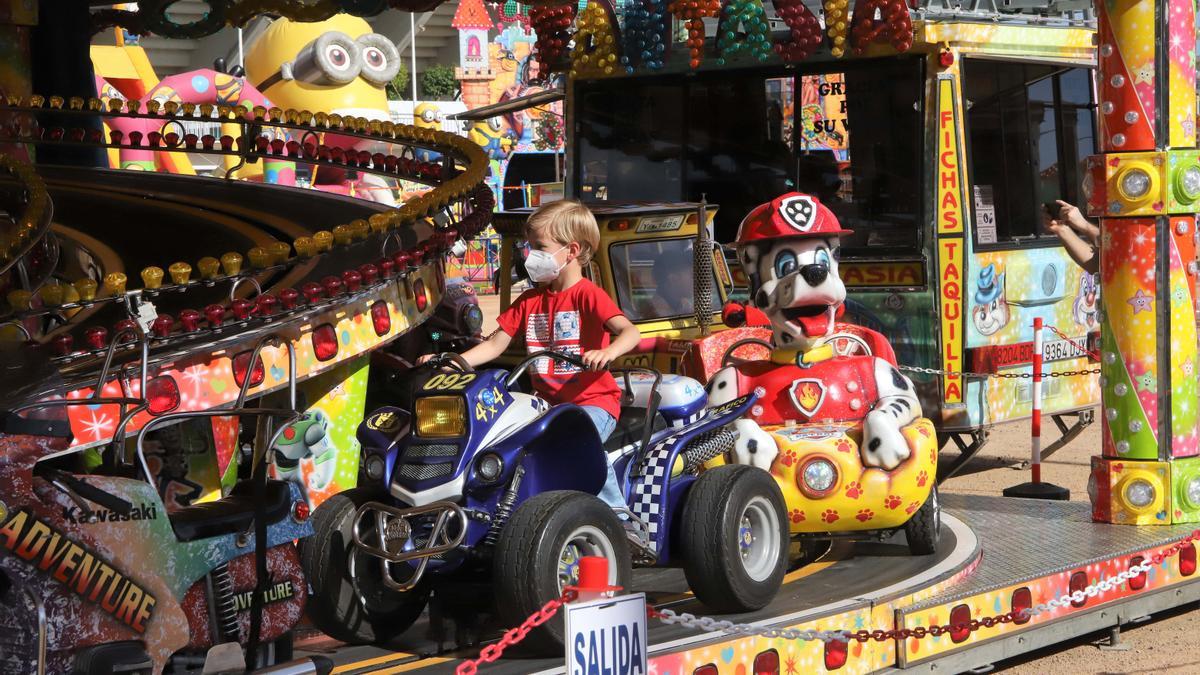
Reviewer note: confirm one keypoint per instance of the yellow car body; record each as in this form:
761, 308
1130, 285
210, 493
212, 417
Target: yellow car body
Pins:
861, 497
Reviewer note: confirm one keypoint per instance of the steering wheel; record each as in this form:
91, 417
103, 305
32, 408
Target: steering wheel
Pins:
547, 353
848, 344
725, 360
449, 359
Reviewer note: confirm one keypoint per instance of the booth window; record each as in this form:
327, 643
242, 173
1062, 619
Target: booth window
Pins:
739, 138
654, 278
1031, 129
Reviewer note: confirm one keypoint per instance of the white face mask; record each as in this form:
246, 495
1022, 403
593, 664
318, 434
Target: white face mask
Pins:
541, 266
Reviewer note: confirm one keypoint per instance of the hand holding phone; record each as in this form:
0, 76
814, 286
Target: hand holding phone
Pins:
1053, 209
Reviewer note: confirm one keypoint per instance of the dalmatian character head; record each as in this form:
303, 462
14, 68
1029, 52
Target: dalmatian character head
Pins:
789, 250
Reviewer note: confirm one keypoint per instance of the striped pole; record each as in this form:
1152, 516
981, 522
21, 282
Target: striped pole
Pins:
1035, 444
1035, 488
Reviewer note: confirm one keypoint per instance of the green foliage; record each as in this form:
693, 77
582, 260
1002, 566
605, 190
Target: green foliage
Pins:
438, 83
398, 88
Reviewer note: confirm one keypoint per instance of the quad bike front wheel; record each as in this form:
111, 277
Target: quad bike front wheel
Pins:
352, 607
537, 557
924, 529
734, 538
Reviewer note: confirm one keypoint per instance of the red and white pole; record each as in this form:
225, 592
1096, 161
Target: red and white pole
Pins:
1035, 488
1035, 445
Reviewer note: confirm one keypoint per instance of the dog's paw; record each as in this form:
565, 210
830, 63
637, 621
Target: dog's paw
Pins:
883, 444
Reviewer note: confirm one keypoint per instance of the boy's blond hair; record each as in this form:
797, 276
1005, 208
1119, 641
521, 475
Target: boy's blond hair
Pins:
567, 221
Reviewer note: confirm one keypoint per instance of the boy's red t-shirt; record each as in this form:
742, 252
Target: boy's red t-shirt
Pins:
572, 322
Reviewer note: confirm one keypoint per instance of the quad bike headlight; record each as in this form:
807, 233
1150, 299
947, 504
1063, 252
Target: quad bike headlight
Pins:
818, 477
441, 416
488, 467
374, 466
472, 318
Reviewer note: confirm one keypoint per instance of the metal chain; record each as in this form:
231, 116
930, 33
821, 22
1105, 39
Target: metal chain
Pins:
512, 636
1091, 354
708, 624
1007, 376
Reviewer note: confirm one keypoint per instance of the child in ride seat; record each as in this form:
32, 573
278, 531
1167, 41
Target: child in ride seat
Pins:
567, 313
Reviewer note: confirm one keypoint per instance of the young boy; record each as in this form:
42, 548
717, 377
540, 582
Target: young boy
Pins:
566, 313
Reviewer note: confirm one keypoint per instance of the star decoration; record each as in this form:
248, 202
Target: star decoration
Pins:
1189, 126
1188, 368
1147, 383
1144, 75
1178, 296
1141, 302
1115, 206
790, 665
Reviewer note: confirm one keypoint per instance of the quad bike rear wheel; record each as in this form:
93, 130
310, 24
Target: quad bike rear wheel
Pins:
538, 554
734, 538
355, 608
924, 529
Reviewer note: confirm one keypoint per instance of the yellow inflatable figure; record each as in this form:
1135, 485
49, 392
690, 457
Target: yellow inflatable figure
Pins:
427, 116
335, 66
494, 136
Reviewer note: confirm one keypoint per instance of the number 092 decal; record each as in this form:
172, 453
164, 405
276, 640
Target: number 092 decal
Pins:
453, 381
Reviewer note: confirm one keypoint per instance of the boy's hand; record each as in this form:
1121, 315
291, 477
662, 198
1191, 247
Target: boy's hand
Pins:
597, 359
425, 358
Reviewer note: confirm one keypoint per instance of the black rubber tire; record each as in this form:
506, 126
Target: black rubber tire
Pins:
525, 564
924, 529
708, 538
334, 605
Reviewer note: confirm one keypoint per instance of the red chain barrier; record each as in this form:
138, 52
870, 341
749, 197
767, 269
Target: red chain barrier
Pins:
1091, 354
490, 653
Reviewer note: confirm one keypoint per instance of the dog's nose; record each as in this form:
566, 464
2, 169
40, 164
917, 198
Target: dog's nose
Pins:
814, 274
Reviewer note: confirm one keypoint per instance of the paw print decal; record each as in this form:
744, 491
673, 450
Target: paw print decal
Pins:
800, 212
788, 458
923, 430
922, 479
853, 490
912, 507
796, 516
864, 515
843, 446
830, 516
893, 501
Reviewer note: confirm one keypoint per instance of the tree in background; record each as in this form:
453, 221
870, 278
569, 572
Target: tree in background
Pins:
438, 83
398, 88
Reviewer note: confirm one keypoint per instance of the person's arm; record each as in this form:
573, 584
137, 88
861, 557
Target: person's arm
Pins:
1083, 253
626, 337
1074, 217
483, 352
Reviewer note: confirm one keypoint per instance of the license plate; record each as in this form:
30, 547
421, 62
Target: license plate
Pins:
1060, 350
660, 223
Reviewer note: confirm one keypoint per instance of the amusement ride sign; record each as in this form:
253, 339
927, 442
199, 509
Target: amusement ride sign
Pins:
950, 242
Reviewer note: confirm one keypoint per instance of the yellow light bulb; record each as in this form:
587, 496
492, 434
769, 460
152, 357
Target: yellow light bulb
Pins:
152, 277
209, 267
324, 240
87, 289
279, 251
180, 272
259, 257
231, 263
19, 300
342, 235
114, 283
51, 295
305, 247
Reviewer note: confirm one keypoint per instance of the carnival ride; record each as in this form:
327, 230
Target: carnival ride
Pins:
992, 589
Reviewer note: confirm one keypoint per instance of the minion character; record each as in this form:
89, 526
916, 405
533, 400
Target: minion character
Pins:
306, 438
427, 116
493, 137
339, 66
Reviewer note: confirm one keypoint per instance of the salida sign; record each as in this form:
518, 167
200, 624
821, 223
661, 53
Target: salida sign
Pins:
607, 636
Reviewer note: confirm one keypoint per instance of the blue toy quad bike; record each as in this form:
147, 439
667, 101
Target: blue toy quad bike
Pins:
484, 481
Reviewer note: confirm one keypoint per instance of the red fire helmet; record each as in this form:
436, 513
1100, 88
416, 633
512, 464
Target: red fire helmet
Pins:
789, 215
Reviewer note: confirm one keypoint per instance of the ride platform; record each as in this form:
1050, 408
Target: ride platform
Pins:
996, 555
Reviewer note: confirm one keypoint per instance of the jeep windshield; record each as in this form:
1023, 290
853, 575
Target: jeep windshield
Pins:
654, 279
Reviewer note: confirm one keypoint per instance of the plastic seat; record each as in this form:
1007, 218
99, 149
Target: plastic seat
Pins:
631, 427
233, 513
